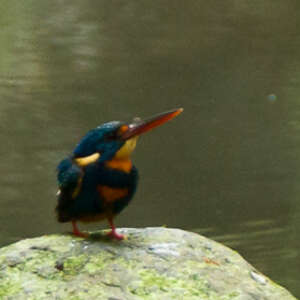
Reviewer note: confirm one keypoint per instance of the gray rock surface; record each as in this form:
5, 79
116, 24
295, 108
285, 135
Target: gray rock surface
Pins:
153, 263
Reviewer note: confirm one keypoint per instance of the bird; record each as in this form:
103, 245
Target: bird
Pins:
98, 179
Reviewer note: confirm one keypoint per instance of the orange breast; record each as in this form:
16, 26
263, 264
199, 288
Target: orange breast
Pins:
124, 165
111, 194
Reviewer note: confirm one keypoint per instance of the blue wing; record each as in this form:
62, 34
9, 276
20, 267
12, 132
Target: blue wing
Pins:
69, 179
68, 173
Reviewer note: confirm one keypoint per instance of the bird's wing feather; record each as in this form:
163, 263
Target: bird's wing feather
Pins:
69, 178
69, 175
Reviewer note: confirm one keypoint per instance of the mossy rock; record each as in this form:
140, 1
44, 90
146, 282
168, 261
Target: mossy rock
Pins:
153, 263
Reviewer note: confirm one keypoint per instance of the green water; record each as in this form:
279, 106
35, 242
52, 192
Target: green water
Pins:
228, 167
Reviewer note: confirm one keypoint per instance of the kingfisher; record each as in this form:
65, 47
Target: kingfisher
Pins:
98, 180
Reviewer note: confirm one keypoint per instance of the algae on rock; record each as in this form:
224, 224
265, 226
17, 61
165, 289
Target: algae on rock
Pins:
154, 263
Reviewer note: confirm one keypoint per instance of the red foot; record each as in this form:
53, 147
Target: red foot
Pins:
115, 235
77, 232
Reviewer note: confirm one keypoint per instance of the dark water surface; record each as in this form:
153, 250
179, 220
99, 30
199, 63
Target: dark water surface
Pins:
228, 167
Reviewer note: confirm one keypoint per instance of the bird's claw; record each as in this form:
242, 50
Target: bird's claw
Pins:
117, 236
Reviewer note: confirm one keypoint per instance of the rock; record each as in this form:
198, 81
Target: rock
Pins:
153, 263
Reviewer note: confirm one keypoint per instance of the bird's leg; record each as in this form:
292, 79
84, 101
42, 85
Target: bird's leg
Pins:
77, 232
113, 233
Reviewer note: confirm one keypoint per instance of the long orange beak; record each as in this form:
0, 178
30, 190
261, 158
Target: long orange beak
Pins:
141, 127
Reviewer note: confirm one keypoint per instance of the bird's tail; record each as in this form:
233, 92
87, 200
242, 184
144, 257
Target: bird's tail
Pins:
63, 207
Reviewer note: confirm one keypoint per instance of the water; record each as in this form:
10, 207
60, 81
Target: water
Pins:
228, 167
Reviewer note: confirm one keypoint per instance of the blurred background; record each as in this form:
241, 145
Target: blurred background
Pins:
228, 167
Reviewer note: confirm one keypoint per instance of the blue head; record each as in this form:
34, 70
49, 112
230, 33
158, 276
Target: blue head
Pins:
105, 140
116, 139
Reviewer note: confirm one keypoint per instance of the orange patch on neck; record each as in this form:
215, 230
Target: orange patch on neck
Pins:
124, 165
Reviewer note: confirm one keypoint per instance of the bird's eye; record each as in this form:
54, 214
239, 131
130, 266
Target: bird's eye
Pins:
116, 134
122, 129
